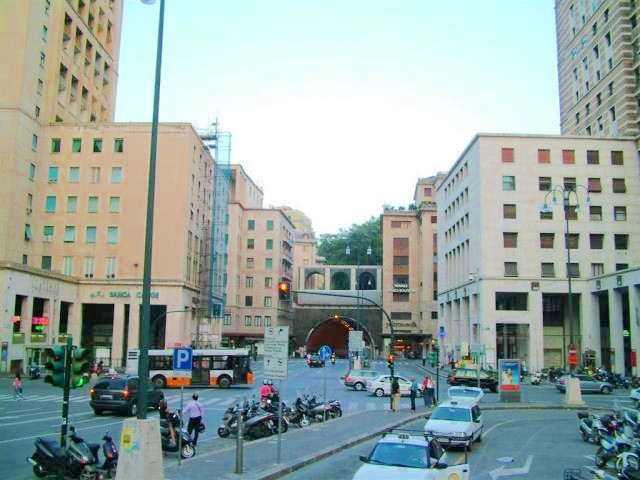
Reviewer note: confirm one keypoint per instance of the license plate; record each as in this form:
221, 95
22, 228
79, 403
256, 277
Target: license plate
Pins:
106, 397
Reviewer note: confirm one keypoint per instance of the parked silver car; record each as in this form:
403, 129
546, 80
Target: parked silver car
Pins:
587, 384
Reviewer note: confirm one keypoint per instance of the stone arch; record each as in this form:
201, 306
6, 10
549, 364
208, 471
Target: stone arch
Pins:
314, 280
367, 280
334, 331
340, 280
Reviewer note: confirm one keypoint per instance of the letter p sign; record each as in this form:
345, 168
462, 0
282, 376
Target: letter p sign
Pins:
182, 358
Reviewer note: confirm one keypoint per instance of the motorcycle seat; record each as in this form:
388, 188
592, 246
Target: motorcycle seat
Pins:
53, 447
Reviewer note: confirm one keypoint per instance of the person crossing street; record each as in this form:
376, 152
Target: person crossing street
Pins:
195, 411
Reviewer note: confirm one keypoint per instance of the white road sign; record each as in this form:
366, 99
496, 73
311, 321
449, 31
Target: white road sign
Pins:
355, 340
276, 352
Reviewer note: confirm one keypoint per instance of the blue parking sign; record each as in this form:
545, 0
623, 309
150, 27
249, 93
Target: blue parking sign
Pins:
182, 358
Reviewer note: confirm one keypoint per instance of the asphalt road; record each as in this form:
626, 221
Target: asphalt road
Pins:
40, 414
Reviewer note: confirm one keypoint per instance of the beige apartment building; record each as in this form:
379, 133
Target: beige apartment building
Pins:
409, 280
503, 268
598, 43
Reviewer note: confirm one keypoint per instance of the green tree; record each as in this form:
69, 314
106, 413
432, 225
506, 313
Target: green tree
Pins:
358, 238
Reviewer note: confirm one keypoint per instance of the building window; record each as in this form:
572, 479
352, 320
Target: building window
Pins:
574, 270
251, 224
46, 262
76, 145
544, 155
67, 265
571, 240
116, 174
599, 99
69, 234
507, 155
617, 157
89, 265
268, 301
248, 301
621, 241
227, 319
569, 183
267, 321
112, 234
72, 204
94, 175
619, 185
269, 228
257, 321
544, 184
249, 262
92, 206
596, 240
50, 204
118, 145
594, 185
620, 214
27, 231
114, 204
25, 259
511, 301
110, 267
247, 320
548, 270
55, 145
510, 239
268, 282
508, 183
593, 157
248, 282
510, 269
32, 171
509, 210
47, 233
269, 244
43, 58
568, 157
74, 174
97, 145
610, 86
595, 213
268, 263
597, 269
53, 174
621, 266
546, 240
250, 243
90, 235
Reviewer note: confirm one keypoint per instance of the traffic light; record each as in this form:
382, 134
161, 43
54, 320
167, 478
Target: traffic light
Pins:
390, 362
80, 367
54, 366
284, 291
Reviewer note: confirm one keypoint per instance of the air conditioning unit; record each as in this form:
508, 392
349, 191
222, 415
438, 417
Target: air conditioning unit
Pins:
48, 238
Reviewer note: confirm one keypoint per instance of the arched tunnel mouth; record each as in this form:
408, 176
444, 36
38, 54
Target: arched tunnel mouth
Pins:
334, 332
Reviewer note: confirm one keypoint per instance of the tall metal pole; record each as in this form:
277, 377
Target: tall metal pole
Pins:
568, 247
65, 392
145, 327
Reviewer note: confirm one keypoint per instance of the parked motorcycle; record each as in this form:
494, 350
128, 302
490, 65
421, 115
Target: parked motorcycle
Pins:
110, 454
77, 461
34, 372
536, 378
591, 427
185, 445
611, 447
298, 415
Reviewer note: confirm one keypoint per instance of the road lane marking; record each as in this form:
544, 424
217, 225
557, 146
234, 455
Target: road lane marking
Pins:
57, 417
49, 434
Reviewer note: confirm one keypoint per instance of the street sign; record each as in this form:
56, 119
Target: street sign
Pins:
182, 358
355, 340
441, 332
325, 352
573, 355
276, 352
477, 349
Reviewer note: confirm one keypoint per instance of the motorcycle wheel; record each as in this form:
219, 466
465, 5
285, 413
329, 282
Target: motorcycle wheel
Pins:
283, 427
88, 474
223, 432
39, 471
304, 422
188, 451
619, 464
338, 412
601, 457
585, 437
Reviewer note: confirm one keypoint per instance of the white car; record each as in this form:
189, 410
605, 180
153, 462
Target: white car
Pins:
458, 421
408, 455
381, 385
635, 397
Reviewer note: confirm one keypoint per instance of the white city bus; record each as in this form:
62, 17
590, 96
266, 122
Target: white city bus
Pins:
210, 367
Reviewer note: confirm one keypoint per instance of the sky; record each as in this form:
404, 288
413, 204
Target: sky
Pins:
338, 107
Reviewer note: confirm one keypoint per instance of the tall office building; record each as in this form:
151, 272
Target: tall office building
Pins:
598, 67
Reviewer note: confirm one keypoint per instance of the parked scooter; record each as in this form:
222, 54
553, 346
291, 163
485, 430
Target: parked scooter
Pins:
536, 378
34, 372
611, 447
298, 415
110, 454
185, 443
77, 461
591, 427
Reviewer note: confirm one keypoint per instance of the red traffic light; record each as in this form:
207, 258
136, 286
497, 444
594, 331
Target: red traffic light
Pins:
283, 287
284, 290
390, 358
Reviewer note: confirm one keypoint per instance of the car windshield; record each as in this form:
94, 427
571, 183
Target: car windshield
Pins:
113, 384
400, 455
453, 414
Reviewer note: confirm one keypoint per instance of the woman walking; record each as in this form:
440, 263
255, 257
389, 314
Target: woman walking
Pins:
17, 387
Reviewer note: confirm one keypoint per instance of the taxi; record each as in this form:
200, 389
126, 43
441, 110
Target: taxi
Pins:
409, 455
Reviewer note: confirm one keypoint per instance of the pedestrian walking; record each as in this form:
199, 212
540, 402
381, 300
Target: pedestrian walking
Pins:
425, 391
429, 392
395, 395
195, 410
413, 393
17, 387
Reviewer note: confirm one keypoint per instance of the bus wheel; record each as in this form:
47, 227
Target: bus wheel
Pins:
159, 381
224, 382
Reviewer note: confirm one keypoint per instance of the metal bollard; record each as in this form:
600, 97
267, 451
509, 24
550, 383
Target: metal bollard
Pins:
239, 440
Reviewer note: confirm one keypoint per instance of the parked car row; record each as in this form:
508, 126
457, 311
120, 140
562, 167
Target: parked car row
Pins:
588, 384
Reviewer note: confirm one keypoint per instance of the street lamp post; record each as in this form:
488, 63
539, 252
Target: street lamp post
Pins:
143, 363
566, 192
357, 285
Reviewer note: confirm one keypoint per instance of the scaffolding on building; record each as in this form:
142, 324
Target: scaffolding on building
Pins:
209, 317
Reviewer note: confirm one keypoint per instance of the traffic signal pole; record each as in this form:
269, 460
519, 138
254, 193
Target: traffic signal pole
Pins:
68, 351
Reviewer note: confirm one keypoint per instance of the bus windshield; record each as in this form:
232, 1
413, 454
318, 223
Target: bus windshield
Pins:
222, 367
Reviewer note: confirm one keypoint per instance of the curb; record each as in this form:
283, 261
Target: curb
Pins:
281, 470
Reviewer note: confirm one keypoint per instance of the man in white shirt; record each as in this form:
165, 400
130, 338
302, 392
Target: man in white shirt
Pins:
195, 412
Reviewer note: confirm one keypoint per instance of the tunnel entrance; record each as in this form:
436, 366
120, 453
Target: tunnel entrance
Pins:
334, 331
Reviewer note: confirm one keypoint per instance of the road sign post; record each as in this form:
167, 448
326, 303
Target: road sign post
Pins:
276, 363
325, 354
